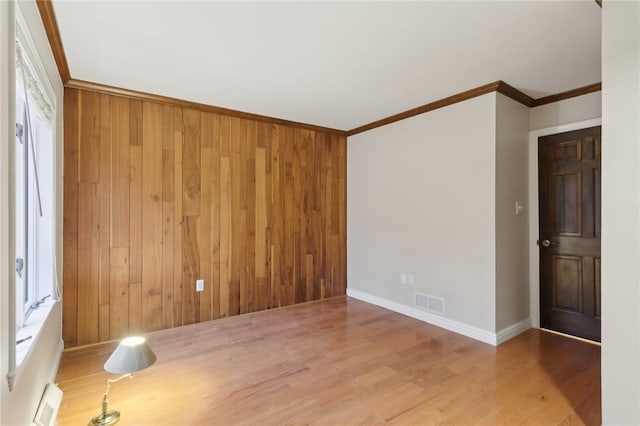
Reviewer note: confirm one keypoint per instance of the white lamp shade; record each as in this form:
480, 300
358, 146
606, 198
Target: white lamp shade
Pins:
132, 354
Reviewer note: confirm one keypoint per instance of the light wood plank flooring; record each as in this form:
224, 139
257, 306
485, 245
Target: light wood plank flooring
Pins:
339, 362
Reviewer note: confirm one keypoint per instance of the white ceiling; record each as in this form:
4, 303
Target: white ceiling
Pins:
332, 64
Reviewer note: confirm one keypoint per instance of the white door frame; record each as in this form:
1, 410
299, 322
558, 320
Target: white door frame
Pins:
534, 220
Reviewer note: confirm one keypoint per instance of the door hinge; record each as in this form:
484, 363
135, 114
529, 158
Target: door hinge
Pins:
19, 131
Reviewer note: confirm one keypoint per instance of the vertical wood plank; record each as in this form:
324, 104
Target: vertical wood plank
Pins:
309, 277
207, 132
277, 219
135, 308
89, 141
88, 263
311, 213
135, 122
225, 136
215, 219
241, 141
204, 234
299, 252
191, 269
335, 185
239, 291
119, 186
168, 162
177, 230
339, 225
335, 265
103, 322
135, 216
152, 216
207, 129
328, 220
319, 218
261, 212
275, 276
225, 233
236, 131
302, 142
168, 128
119, 299
261, 228
70, 218
264, 135
342, 211
168, 218
250, 245
104, 224
191, 163
168, 226
289, 216
135, 213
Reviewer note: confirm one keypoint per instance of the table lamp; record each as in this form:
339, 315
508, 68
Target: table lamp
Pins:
132, 354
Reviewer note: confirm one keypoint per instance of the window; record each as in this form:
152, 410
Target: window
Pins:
34, 192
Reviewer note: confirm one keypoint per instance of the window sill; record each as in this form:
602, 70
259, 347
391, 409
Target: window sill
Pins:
32, 327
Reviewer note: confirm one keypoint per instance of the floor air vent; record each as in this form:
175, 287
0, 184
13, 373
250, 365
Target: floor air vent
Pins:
48, 409
429, 303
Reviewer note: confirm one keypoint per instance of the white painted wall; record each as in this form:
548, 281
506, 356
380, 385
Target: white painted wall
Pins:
421, 200
621, 213
570, 110
6, 29
512, 232
18, 407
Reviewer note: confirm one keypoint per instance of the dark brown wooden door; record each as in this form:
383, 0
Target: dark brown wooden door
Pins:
569, 185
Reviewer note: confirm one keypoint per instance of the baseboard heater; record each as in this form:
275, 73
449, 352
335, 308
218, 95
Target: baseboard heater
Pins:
49, 405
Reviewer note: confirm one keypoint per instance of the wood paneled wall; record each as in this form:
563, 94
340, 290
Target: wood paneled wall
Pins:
157, 196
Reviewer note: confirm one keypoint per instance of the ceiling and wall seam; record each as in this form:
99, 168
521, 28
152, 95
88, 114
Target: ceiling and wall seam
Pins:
50, 23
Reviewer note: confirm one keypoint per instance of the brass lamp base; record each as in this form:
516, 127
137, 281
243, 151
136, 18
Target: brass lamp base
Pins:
111, 417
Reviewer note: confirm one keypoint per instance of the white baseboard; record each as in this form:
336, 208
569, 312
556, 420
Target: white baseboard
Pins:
446, 323
58, 359
513, 330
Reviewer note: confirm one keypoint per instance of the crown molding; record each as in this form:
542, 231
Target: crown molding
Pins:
515, 94
595, 87
48, 16
462, 96
497, 86
134, 94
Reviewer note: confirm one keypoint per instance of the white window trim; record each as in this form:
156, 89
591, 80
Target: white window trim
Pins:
41, 275
32, 326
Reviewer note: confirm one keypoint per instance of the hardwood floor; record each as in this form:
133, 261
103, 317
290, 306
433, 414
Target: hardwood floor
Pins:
338, 362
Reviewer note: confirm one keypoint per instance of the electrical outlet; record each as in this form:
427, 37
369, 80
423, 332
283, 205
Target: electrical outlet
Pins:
410, 279
199, 285
403, 278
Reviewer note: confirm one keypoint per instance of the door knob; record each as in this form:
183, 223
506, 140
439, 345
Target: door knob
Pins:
545, 243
